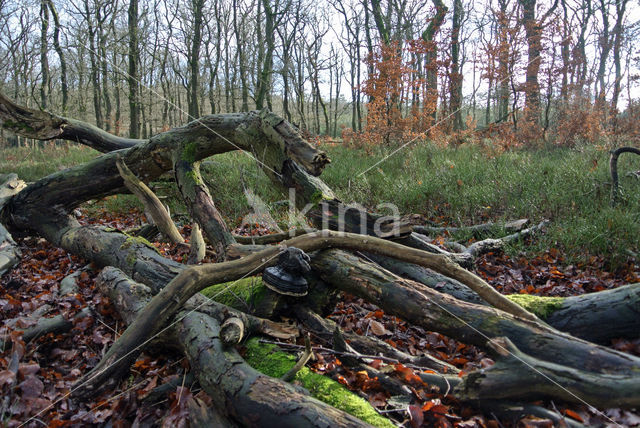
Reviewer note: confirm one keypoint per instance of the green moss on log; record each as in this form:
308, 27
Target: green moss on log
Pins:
194, 176
241, 294
131, 259
539, 305
269, 360
189, 152
10, 124
133, 240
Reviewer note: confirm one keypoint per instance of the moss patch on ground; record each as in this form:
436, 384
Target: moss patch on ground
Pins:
241, 294
269, 360
539, 305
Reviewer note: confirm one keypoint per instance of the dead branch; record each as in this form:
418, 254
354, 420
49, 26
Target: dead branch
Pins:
613, 168
197, 247
272, 238
150, 201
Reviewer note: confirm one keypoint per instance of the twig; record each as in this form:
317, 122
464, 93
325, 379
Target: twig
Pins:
288, 376
272, 238
347, 354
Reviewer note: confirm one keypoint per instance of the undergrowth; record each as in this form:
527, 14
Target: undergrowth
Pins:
454, 186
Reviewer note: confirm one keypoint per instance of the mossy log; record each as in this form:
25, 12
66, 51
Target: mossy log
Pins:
194, 279
471, 323
290, 162
580, 368
239, 392
597, 317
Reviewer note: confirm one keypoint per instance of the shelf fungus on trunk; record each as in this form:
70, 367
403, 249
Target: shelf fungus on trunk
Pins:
287, 276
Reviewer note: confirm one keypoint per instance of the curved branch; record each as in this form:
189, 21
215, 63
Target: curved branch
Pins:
613, 167
170, 299
272, 140
42, 125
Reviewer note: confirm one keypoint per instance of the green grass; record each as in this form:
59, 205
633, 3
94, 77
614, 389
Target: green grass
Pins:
457, 186
32, 163
466, 185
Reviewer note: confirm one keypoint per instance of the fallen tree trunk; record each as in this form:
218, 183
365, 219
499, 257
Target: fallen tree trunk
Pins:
239, 392
477, 230
516, 375
171, 298
597, 317
43, 208
9, 252
581, 316
471, 323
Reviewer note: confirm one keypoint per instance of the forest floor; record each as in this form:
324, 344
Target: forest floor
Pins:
588, 247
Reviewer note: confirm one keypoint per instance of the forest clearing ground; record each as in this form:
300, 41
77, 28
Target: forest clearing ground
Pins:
451, 186
587, 248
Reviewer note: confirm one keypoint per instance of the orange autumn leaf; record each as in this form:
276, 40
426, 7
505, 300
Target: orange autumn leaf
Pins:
573, 415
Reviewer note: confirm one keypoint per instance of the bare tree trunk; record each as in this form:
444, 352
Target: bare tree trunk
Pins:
94, 76
618, 35
455, 90
45, 87
194, 59
63, 64
133, 78
431, 57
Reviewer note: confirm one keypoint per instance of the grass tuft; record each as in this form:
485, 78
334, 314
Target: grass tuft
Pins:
456, 186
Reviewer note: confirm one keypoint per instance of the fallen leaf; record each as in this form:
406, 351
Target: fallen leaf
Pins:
417, 417
377, 328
